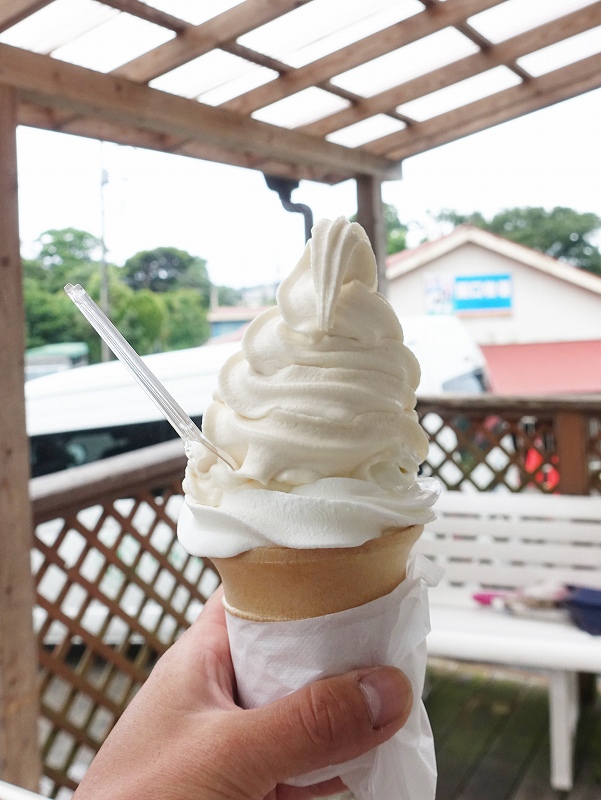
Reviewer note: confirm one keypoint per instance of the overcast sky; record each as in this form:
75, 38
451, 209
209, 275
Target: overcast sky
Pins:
229, 217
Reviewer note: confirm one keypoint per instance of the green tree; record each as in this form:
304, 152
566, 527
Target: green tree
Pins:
396, 232
66, 256
167, 268
226, 296
149, 320
185, 323
562, 233
49, 316
140, 317
33, 270
52, 317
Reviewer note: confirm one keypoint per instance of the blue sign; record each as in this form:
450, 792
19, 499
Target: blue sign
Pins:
483, 294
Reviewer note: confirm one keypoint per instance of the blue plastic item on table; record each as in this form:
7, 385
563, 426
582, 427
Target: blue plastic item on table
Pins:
584, 606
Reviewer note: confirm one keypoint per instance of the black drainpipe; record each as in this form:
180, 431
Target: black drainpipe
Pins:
284, 188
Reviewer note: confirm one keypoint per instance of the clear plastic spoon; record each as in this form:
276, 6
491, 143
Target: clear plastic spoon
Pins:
173, 412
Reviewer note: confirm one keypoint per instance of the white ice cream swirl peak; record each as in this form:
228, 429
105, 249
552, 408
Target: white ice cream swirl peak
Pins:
318, 411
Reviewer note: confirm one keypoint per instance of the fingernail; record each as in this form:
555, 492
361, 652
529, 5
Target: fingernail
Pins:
387, 694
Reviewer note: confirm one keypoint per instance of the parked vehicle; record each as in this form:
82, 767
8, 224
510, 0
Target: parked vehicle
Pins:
450, 359
94, 412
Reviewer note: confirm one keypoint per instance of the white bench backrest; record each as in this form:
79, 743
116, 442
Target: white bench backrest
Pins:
506, 541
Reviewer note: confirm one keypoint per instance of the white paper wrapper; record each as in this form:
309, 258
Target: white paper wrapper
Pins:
273, 659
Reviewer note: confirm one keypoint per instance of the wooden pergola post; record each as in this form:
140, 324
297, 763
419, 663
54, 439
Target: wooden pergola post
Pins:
19, 756
571, 442
370, 214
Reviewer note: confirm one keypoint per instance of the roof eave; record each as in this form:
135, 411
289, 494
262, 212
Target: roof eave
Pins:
467, 234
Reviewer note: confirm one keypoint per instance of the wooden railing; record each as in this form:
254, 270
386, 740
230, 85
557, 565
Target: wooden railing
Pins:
115, 588
490, 443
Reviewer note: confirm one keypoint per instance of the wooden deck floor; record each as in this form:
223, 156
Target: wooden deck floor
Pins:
491, 733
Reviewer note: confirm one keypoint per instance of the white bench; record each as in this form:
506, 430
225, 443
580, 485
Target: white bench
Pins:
503, 541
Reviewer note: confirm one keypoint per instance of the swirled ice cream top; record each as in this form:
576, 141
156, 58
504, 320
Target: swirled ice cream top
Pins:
318, 411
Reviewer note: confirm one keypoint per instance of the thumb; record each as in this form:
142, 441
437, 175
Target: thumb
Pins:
329, 722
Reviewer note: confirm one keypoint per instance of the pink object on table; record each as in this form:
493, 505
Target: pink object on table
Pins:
486, 598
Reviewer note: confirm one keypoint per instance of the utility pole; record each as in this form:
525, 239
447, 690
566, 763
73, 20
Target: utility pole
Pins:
105, 303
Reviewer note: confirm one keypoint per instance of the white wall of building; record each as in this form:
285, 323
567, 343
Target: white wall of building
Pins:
544, 308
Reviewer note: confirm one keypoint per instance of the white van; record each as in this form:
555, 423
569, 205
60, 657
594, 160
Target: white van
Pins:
450, 359
97, 411
93, 412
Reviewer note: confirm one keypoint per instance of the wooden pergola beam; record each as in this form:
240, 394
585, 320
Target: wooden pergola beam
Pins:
504, 53
13, 11
537, 93
200, 39
84, 92
34, 116
143, 11
378, 44
267, 165
19, 757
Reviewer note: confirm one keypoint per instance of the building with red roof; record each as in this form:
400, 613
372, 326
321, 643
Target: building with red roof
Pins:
537, 319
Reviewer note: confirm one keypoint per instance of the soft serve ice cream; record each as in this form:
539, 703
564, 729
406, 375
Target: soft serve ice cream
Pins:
318, 411
318, 520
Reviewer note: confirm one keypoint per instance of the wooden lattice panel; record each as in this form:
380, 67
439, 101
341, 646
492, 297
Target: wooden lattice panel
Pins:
594, 453
114, 590
481, 452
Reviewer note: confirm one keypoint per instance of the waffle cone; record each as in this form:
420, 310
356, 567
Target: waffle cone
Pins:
270, 584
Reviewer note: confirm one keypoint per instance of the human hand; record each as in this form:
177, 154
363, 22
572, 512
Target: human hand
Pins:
183, 737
